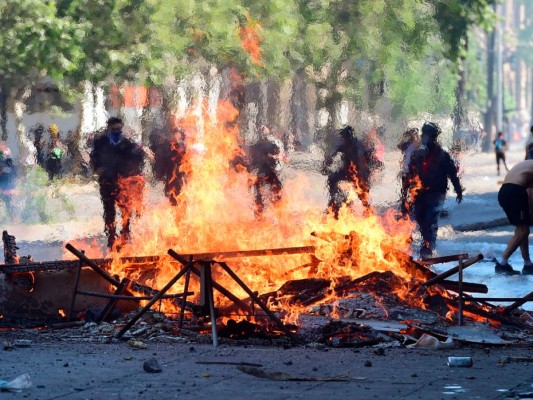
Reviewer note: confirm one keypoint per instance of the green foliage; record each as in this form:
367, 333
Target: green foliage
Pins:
456, 17
36, 43
386, 48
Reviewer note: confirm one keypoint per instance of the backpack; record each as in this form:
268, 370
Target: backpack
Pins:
56, 153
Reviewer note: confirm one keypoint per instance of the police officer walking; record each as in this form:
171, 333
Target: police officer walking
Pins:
355, 168
426, 184
118, 162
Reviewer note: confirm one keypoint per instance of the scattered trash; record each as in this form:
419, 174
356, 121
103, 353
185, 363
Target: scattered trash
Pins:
527, 318
137, 344
18, 384
243, 363
379, 352
281, 376
476, 333
152, 366
465, 362
507, 360
139, 331
430, 342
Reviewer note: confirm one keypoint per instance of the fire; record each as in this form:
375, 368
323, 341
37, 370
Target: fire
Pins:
62, 313
415, 186
251, 39
215, 212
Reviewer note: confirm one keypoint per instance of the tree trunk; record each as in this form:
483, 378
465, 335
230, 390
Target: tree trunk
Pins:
27, 151
518, 86
491, 101
75, 144
299, 134
3, 112
460, 116
147, 119
100, 112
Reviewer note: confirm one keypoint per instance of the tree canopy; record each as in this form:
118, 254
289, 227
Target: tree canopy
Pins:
397, 49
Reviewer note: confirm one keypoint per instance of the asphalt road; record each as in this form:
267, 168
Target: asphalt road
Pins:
77, 369
70, 370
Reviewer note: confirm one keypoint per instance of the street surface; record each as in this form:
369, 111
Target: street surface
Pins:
77, 369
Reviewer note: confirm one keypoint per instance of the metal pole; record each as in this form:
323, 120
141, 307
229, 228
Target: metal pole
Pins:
184, 301
460, 319
211, 301
241, 304
74, 292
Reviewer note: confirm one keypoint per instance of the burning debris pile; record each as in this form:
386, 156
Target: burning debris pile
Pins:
379, 308
341, 279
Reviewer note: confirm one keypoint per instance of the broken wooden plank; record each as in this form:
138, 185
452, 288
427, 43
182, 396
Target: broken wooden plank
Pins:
454, 270
442, 260
281, 376
241, 363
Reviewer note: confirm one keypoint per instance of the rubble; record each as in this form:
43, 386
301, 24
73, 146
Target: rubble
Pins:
379, 309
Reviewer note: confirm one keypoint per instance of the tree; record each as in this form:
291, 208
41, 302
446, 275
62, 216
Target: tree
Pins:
35, 43
455, 18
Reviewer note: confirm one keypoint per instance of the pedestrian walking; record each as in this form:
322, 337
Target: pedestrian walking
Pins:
118, 162
8, 175
515, 197
426, 185
500, 146
56, 153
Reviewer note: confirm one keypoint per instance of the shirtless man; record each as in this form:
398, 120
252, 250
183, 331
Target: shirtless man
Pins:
515, 197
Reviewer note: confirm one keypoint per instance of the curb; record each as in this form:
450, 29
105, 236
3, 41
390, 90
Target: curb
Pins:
479, 226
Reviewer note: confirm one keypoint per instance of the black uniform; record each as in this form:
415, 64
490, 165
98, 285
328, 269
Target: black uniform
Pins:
115, 165
39, 144
54, 160
168, 155
430, 167
355, 168
262, 163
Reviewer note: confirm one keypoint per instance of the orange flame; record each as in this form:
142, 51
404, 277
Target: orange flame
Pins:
251, 39
215, 213
415, 187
